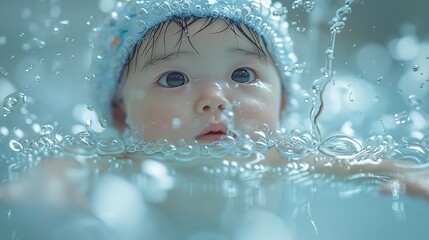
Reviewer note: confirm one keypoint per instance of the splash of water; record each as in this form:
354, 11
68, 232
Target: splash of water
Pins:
338, 23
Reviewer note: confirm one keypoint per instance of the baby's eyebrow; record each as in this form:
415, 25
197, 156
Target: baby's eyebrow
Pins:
163, 57
245, 52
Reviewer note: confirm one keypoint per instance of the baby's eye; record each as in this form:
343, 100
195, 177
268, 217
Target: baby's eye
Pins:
173, 79
243, 75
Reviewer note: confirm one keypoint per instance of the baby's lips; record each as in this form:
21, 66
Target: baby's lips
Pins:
213, 131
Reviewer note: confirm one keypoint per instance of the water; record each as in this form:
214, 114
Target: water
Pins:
223, 190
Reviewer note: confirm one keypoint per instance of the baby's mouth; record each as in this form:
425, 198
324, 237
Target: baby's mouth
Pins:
214, 132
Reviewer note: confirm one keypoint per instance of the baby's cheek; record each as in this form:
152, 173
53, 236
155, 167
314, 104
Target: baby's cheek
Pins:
162, 123
253, 114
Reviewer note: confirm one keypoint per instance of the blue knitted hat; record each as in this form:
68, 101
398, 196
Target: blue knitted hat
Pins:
131, 20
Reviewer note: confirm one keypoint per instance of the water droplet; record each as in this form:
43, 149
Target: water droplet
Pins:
14, 101
280, 12
416, 68
29, 67
350, 97
408, 152
218, 149
296, 4
39, 43
176, 122
294, 146
425, 142
15, 145
61, 25
65, 22
89, 107
102, 120
3, 71
377, 99
85, 139
89, 21
401, 118
414, 101
3, 40
308, 6
4, 131
110, 146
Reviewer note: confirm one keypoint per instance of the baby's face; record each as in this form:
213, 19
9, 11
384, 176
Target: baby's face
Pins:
181, 89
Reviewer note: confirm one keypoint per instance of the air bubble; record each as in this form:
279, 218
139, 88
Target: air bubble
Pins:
46, 129
14, 101
295, 146
85, 139
37, 78
110, 146
340, 147
416, 68
29, 67
186, 153
218, 149
379, 80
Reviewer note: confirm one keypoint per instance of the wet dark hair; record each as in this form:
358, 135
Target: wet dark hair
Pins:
184, 23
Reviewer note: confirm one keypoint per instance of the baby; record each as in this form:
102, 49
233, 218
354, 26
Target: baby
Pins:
173, 70
170, 69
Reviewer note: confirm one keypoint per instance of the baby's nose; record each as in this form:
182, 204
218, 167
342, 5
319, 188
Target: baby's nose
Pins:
211, 104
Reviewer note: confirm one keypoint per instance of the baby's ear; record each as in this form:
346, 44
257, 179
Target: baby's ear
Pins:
119, 115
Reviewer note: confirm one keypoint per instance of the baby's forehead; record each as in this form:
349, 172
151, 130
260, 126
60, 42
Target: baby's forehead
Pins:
187, 35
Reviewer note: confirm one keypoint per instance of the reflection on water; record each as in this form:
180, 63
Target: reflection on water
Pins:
377, 96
